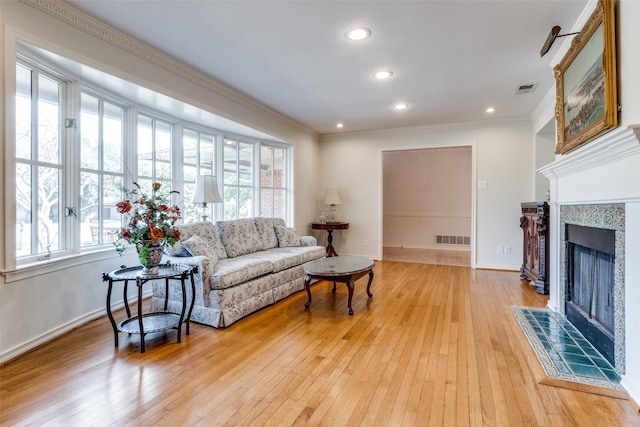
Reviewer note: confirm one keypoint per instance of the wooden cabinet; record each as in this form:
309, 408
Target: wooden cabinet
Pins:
535, 251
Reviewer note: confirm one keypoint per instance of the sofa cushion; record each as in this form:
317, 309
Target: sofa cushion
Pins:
305, 253
265, 227
196, 246
280, 258
207, 231
231, 271
239, 237
286, 236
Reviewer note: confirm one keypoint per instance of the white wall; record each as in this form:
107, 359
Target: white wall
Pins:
35, 309
502, 156
544, 153
629, 66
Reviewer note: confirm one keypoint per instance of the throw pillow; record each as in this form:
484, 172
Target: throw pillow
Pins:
197, 246
176, 250
265, 227
239, 237
286, 236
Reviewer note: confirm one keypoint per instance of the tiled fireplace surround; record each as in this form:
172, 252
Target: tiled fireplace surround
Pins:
610, 217
595, 186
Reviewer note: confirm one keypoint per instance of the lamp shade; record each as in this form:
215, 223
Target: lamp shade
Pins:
332, 197
206, 190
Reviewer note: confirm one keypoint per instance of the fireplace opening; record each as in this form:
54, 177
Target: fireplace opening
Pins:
589, 301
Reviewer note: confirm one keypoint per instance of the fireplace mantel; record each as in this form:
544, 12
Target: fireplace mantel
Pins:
590, 187
613, 146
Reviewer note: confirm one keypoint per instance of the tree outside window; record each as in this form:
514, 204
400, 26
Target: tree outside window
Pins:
39, 167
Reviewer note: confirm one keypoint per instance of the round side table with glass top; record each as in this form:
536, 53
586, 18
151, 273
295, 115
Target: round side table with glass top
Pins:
144, 323
345, 269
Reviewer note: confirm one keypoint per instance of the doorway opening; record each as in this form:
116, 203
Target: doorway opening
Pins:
427, 205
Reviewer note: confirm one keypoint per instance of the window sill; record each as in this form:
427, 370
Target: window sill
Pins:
28, 271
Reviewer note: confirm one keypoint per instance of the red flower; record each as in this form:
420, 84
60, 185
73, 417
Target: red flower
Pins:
156, 233
156, 186
123, 207
176, 234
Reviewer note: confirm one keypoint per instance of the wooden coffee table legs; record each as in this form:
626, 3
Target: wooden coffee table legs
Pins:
348, 279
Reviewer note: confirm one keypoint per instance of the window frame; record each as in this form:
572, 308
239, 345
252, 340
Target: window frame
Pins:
125, 159
18, 268
65, 144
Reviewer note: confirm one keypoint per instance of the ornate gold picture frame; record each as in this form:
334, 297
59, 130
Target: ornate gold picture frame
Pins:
586, 84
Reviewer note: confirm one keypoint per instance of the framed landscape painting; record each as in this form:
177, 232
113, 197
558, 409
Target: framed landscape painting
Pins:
586, 88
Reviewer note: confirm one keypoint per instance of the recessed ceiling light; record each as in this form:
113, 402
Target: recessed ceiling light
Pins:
339, 125
400, 106
359, 33
490, 110
384, 74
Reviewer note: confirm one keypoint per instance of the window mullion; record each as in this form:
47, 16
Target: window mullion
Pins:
255, 178
130, 147
177, 169
35, 135
70, 168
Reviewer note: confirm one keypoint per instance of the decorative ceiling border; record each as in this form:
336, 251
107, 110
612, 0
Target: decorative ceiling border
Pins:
97, 28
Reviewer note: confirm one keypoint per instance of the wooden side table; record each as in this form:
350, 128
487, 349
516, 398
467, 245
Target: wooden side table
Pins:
329, 227
535, 252
155, 321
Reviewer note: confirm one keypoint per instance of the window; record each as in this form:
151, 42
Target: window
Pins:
39, 162
101, 169
273, 182
238, 179
78, 146
198, 156
154, 151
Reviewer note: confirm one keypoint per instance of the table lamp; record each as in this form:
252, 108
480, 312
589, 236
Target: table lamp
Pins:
332, 198
206, 192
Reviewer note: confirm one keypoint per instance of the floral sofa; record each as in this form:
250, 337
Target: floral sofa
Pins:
243, 266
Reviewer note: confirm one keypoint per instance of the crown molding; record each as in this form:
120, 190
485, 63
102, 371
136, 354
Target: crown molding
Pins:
105, 32
428, 128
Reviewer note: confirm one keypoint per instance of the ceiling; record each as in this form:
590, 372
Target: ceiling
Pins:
451, 59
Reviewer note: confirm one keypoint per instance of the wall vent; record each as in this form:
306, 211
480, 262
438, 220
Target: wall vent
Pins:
530, 88
445, 239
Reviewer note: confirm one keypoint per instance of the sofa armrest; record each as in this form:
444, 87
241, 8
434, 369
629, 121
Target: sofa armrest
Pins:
187, 260
198, 278
307, 241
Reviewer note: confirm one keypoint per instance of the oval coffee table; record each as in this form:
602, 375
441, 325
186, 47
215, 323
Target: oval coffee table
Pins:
344, 269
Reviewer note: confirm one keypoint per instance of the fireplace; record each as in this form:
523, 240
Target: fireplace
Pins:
589, 302
592, 270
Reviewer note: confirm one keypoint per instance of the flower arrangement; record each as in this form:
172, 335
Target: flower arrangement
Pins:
151, 220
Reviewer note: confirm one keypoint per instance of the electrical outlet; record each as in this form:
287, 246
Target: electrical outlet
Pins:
507, 250
500, 250
366, 243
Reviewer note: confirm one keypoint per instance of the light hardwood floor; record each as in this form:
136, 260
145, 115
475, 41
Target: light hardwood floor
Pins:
427, 256
436, 345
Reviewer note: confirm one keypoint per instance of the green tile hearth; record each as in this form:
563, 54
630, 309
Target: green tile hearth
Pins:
562, 350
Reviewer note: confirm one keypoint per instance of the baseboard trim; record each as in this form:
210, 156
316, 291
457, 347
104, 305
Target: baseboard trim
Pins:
49, 336
497, 267
57, 332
